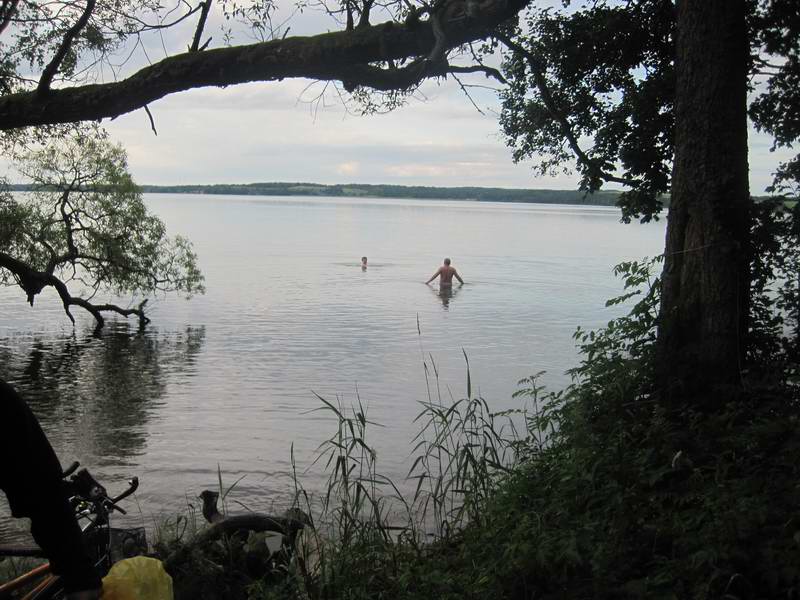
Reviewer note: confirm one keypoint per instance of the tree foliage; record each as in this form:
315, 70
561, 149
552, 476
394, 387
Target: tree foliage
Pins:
594, 84
86, 225
632, 499
605, 73
774, 338
775, 34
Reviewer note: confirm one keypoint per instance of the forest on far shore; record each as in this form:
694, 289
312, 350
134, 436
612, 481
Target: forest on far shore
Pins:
600, 198
417, 192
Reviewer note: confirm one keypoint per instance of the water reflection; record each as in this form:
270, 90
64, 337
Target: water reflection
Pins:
288, 312
446, 293
95, 395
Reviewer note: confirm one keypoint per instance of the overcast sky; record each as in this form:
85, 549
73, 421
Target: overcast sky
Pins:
272, 132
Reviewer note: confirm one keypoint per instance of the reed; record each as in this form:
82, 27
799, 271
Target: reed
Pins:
369, 531
371, 535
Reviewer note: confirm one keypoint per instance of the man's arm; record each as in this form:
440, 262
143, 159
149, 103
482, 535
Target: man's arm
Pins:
457, 276
435, 275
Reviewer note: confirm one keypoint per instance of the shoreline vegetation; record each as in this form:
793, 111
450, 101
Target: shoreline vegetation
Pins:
597, 491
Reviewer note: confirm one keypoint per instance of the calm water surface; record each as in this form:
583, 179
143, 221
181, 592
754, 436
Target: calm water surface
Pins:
230, 378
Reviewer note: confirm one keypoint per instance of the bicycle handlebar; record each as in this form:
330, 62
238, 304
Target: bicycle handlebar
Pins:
84, 486
70, 469
133, 485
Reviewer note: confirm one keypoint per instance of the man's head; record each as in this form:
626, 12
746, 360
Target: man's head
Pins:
447, 262
364, 260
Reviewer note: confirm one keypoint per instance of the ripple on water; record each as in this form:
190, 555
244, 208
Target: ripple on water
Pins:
229, 379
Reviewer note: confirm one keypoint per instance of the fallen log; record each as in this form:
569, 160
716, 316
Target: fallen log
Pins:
238, 527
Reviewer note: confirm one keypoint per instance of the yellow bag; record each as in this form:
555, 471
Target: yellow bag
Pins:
137, 578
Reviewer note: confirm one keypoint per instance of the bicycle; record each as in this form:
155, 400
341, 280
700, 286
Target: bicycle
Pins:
106, 545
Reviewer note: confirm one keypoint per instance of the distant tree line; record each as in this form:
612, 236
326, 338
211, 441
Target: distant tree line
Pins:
481, 194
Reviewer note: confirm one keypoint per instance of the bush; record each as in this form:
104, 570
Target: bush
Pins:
629, 499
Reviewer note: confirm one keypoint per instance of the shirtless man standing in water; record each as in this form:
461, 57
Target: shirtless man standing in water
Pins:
446, 274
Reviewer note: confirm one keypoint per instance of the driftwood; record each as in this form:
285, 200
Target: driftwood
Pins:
255, 522
238, 526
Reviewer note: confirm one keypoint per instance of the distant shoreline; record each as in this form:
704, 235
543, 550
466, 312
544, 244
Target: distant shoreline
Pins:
398, 192
479, 194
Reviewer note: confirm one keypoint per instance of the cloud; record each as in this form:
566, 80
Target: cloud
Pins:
416, 171
261, 132
271, 132
444, 169
347, 168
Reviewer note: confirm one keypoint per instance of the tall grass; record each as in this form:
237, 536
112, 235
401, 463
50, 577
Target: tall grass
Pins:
369, 532
369, 529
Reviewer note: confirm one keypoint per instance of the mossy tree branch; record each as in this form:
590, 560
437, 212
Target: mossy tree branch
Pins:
347, 56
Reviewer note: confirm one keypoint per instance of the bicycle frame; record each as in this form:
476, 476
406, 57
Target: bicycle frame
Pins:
92, 508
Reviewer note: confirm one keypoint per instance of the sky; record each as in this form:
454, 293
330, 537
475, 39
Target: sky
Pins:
277, 132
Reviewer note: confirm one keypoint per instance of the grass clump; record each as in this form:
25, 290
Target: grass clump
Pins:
373, 541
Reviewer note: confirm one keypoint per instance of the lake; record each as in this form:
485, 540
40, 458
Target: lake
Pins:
229, 379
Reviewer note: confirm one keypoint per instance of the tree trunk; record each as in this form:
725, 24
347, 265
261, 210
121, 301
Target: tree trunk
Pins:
706, 279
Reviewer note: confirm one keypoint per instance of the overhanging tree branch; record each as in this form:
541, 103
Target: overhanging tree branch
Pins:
558, 115
33, 282
342, 56
144, 26
52, 68
87, 226
200, 26
394, 79
403, 78
488, 71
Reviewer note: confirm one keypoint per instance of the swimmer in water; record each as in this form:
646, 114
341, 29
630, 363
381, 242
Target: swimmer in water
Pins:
363, 263
445, 273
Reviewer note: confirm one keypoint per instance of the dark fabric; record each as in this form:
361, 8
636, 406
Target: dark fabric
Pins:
30, 475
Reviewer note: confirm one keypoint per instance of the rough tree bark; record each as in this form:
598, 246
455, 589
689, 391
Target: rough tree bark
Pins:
706, 279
